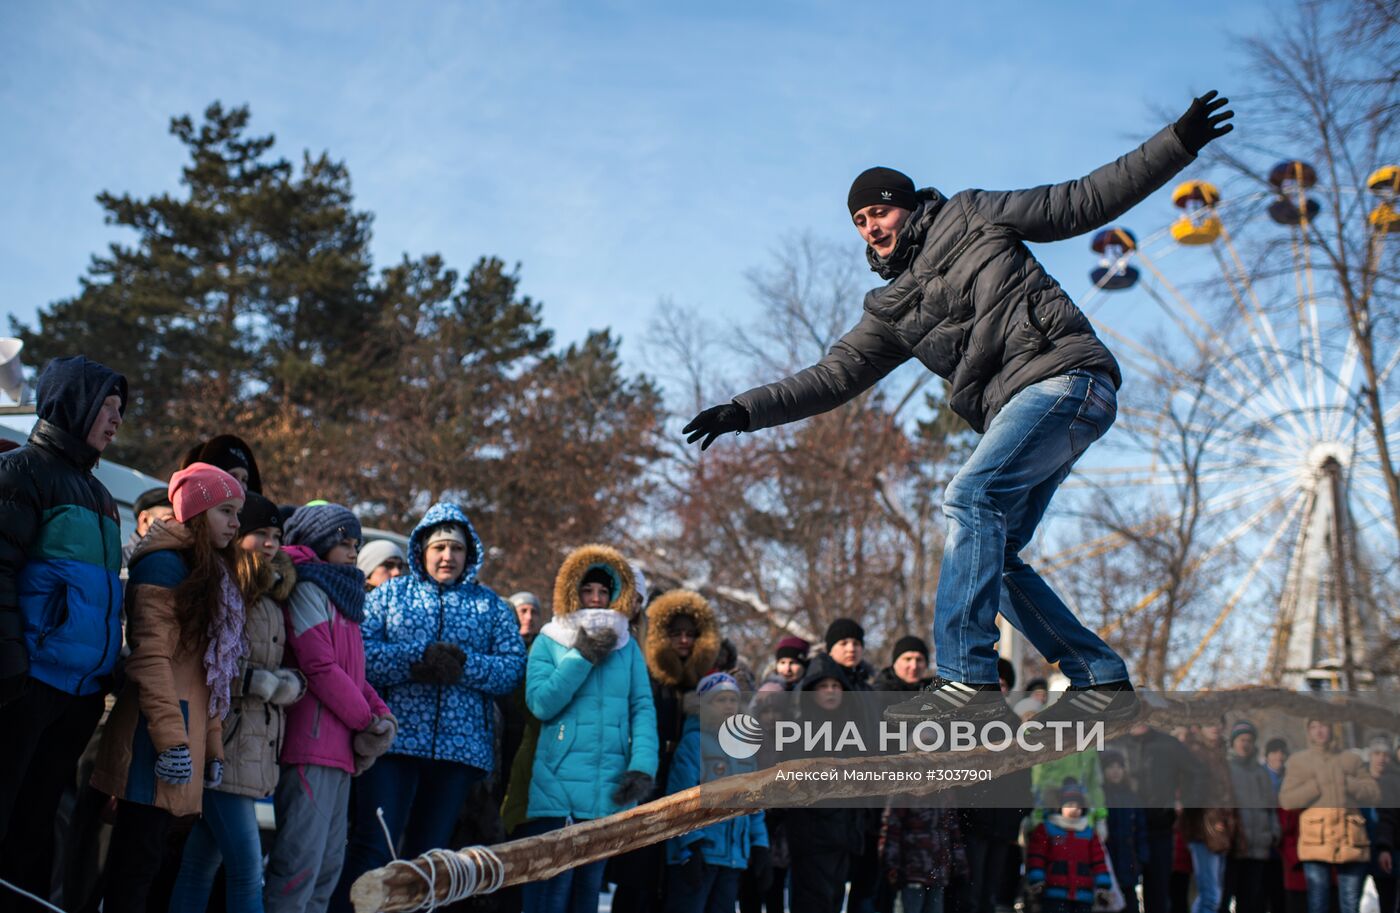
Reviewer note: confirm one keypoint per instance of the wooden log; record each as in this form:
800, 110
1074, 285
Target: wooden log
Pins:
399, 887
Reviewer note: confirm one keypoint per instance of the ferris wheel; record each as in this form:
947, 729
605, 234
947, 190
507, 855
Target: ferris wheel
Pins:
1248, 411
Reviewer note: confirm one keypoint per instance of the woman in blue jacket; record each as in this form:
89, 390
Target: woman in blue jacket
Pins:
587, 684
439, 648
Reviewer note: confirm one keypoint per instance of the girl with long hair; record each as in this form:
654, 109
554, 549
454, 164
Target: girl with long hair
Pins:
254, 729
162, 744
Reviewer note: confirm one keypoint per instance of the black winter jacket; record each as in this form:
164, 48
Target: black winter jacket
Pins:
1162, 771
969, 299
60, 545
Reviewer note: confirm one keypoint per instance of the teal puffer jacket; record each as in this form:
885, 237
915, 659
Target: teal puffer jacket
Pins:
596, 723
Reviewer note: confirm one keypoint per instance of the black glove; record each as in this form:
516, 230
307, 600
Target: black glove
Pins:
634, 787
1201, 124
596, 647
761, 868
715, 421
442, 664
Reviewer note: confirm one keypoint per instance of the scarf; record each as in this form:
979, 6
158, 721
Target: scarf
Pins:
343, 583
226, 646
564, 630
907, 243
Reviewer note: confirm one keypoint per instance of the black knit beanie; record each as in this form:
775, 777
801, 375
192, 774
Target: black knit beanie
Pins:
881, 185
599, 574
910, 644
842, 628
155, 497
258, 513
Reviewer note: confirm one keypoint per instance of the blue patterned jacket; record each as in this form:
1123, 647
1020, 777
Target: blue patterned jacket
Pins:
405, 614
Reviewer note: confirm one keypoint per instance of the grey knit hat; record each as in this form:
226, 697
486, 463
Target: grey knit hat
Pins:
321, 527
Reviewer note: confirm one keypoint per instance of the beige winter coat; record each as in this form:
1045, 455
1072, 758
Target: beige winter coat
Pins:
1328, 786
253, 729
165, 701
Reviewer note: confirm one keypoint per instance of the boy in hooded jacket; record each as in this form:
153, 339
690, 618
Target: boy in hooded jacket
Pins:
60, 602
440, 647
586, 682
339, 727
703, 867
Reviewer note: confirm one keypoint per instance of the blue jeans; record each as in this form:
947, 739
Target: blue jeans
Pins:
421, 799
1210, 877
920, 899
1351, 877
573, 891
228, 834
993, 506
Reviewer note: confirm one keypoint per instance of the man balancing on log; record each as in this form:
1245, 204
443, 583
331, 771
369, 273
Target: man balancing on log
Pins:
968, 299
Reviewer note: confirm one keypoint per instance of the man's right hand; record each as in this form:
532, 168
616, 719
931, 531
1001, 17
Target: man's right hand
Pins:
715, 421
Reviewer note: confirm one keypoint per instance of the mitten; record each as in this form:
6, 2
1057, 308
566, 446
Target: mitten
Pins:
596, 647
261, 684
375, 739
1201, 123
761, 868
633, 787
1035, 889
174, 766
291, 686
1102, 897
362, 764
715, 421
213, 773
442, 664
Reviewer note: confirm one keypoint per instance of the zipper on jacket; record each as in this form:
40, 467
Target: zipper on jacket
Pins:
437, 714
107, 579
947, 259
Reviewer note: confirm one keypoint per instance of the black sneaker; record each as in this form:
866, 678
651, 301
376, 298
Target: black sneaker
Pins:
944, 700
1110, 702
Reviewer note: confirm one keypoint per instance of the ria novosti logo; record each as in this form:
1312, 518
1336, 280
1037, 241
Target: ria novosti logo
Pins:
741, 736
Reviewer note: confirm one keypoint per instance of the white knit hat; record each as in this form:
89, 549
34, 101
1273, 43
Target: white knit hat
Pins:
376, 553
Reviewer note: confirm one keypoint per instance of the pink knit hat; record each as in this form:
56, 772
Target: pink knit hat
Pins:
198, 487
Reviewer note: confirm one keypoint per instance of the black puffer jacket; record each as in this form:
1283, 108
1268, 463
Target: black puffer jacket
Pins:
969, 299
1163, 771
60, 539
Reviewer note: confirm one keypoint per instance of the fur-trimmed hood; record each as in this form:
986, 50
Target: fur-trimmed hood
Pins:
276, 578
580, 561
663, 663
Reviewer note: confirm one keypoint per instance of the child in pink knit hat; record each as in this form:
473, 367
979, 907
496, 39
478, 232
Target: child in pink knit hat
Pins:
163, 742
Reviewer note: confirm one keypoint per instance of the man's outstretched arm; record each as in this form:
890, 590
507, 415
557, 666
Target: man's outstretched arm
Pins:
1054, 212
867, 352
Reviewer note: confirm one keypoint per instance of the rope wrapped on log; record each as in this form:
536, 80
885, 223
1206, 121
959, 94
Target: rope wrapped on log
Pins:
445, 876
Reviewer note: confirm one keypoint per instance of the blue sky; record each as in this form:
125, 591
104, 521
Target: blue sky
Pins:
621, 152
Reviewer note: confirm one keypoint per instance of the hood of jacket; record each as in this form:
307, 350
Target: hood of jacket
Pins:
580, 561
439, 513
665, 666
70, 393
164, 535
823, 666
276, 577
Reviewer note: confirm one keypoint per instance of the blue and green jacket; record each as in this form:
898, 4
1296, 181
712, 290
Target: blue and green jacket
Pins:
60, 539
